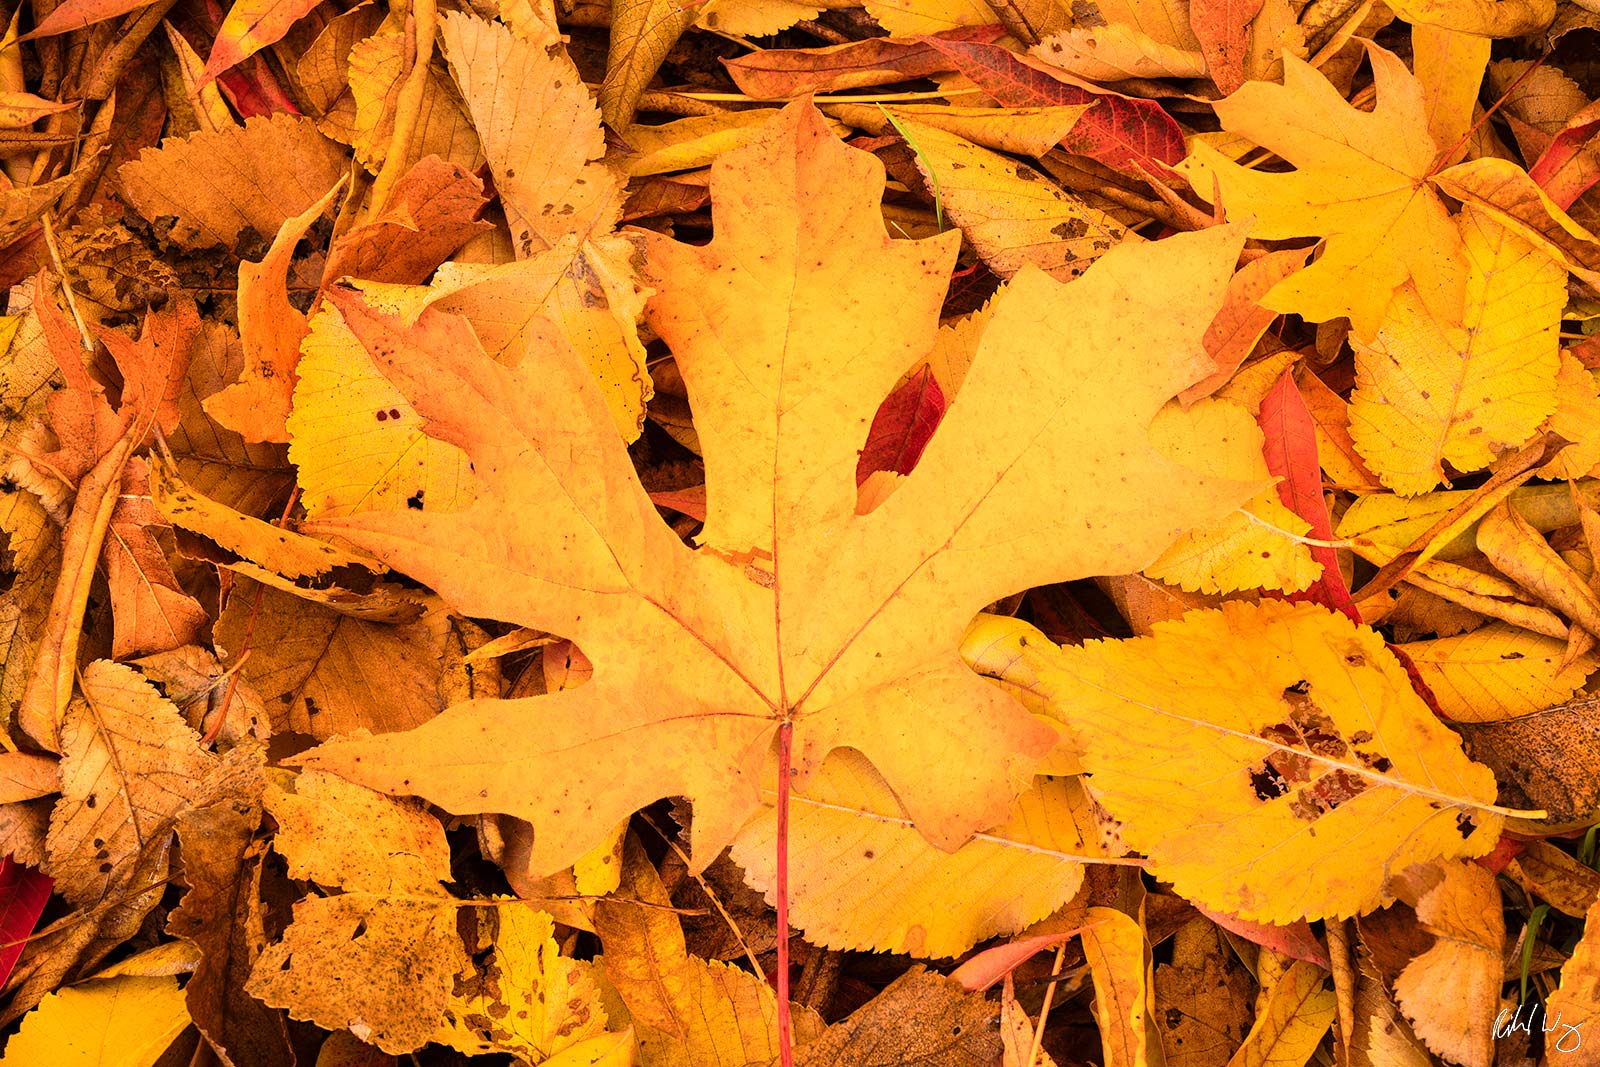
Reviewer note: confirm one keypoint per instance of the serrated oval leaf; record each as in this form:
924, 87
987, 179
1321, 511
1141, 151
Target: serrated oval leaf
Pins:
1242, 747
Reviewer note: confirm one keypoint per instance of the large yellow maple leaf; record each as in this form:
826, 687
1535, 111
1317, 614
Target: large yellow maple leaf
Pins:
789, 329
1361, 182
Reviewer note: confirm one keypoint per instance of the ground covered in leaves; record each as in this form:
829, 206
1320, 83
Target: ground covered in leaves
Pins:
767, 532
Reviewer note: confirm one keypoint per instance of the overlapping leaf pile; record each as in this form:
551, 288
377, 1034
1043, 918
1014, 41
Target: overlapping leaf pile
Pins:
765, 532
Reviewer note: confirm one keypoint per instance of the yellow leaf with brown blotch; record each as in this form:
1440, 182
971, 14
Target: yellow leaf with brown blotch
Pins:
1223, 739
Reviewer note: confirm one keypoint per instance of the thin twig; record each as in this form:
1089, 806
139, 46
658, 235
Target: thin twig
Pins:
738, 934
1044, 1010
66, 287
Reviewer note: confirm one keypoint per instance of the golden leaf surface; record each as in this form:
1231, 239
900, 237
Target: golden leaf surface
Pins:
788, 328
1461, 388
1237, 746
1360, 182
116, 1022
861, 877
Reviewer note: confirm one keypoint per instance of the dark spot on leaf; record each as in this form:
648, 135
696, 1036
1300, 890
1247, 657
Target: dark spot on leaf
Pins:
1268, 783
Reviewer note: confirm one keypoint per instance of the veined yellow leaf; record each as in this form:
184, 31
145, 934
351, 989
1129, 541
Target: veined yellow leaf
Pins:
1461, 386
1239, 746
116, 1022
1498, 672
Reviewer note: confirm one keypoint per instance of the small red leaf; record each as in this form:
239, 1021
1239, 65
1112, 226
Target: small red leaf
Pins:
23, 894
992, 964
1505, 850
1133, 136
902, 427
1295, 940
1290, 449
1571, 165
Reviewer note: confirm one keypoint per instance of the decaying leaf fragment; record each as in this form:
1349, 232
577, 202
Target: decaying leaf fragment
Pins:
380, 957
789, 328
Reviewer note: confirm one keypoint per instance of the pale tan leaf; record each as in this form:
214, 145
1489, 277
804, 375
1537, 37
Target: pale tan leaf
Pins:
1115, 52
1451, 992
323, 672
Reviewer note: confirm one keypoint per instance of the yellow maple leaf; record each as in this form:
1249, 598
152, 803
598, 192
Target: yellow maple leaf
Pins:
1459, 388
1239, 746
788, 328
1361, 183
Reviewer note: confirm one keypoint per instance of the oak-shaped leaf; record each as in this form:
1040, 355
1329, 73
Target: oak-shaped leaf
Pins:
1361, 182
789, 328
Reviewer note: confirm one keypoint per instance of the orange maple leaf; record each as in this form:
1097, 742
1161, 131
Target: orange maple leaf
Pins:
789, 329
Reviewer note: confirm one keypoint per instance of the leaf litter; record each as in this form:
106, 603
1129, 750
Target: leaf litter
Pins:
768, 533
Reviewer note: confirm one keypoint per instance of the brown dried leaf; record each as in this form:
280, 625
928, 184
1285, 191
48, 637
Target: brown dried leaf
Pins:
214, 186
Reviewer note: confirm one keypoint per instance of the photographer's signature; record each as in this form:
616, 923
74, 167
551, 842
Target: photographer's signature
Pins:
1568, 1037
